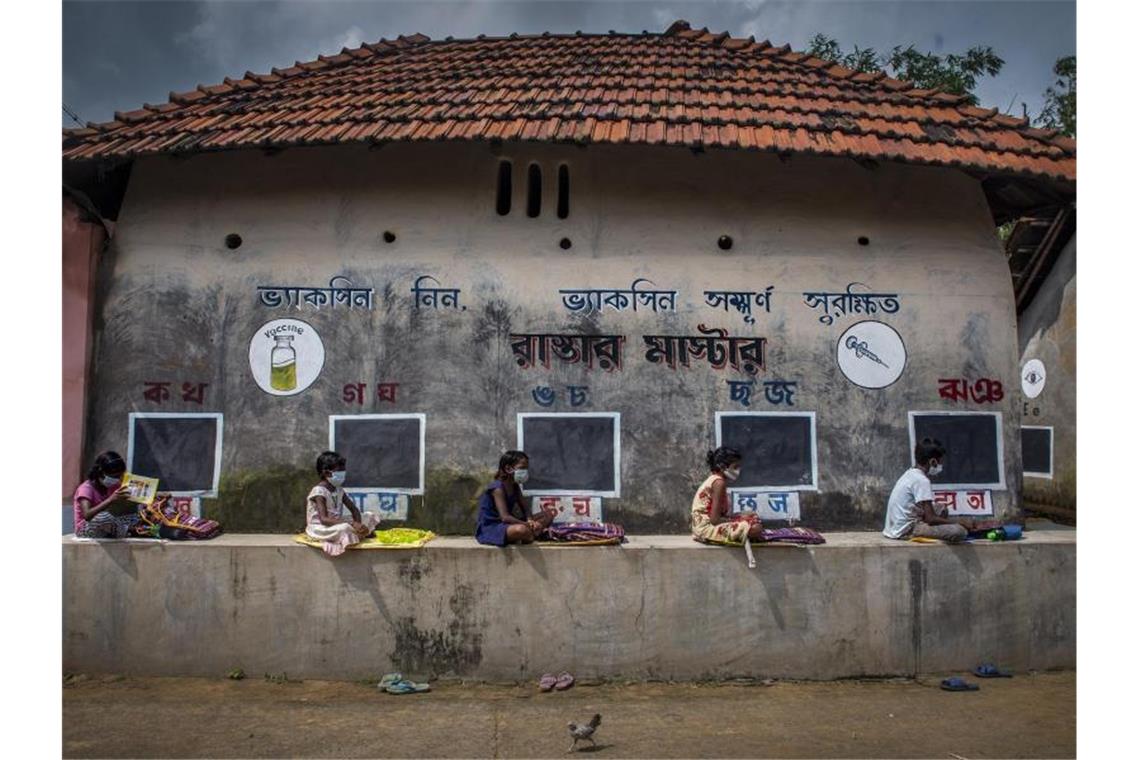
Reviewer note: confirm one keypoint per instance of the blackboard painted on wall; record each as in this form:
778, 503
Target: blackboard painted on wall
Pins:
572, 454
973, 443
1037, 451
184, 451
385, 452
778, 448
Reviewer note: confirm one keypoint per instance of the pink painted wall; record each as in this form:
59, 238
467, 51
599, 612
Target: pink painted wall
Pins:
82, 241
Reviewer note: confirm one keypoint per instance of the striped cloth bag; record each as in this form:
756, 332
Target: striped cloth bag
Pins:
170, 518
593, 532
793, 536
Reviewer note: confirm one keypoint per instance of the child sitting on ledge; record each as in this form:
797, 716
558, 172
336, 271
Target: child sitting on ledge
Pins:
502, 515
910, 509
324, 507
713, 521
102, 509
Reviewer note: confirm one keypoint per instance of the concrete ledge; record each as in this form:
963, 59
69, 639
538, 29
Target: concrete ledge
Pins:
657, 607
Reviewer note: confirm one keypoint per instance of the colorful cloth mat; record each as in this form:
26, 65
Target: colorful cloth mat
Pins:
777, 536
392, 538
793, 535
584, 534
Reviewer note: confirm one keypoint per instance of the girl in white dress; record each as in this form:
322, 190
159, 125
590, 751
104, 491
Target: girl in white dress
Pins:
325, 507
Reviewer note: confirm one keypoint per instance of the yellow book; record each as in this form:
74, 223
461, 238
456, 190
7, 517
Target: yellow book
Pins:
142, 489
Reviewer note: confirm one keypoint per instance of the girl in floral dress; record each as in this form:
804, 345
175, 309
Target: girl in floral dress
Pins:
713, 521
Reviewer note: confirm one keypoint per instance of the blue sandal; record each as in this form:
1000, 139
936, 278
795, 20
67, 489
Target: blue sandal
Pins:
404, 686
989, 670
957, 684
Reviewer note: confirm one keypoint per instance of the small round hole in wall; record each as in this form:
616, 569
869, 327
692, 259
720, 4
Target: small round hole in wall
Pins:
389, 236
724, 242
565, 244
233, 241
863, 240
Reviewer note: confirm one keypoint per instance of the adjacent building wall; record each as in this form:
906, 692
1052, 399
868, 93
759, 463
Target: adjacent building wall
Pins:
179, 306
1048, 331
83, 238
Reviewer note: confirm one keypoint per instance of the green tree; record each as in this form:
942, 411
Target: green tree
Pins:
957, 74
859, 59
1060, 111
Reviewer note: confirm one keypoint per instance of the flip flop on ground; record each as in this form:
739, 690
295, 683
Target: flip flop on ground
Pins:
989, 670
957, 684
547, 682
564, 682
394, 683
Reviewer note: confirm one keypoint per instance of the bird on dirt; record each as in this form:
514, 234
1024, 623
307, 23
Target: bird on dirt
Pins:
584, 731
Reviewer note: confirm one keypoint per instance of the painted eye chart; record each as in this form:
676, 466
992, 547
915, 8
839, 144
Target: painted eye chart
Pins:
871, 354
1033, 378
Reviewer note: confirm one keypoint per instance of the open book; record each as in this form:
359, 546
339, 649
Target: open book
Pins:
142, 489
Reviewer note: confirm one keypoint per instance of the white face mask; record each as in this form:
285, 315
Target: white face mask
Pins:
337, 478
110, 481
936, 469
521, 476
732, 474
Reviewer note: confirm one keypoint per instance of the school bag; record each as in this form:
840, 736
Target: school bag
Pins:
170, 518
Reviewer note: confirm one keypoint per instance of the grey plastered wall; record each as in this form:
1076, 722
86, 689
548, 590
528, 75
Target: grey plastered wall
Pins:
657, 607
1047, 330
176, 305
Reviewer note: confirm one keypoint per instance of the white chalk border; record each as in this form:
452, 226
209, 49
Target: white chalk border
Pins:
614, 492
419, 490
213, 492
999, 485
813, 486
1045, 475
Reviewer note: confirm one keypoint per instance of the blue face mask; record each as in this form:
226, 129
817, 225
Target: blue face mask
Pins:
936, 469
110, 481
337, 478
521, 476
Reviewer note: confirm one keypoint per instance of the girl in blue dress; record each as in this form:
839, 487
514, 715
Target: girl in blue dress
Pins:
502, 516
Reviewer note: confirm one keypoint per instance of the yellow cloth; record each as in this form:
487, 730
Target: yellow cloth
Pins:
403, 536
923, 540
392, 538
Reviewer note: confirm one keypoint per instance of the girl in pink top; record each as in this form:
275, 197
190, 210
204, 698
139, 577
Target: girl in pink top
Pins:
102, 509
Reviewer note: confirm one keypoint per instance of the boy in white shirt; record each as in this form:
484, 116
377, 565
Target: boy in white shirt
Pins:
910, 510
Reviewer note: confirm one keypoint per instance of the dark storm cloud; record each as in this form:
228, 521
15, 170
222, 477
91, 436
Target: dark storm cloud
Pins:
118, 55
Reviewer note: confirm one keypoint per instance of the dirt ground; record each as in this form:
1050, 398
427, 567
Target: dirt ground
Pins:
1030, 715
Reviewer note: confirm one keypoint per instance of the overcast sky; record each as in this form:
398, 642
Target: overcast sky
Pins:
119, 55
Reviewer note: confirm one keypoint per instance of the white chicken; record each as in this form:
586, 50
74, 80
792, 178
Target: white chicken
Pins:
584, 731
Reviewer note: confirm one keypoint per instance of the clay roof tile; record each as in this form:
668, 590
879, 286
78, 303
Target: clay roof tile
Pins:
131, 117
895, 84
1065, 143
186, 97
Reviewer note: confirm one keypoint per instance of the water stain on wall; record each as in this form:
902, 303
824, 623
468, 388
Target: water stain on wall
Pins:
455, 649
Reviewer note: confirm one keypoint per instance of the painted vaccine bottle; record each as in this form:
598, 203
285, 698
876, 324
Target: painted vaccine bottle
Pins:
285, 356
283, 364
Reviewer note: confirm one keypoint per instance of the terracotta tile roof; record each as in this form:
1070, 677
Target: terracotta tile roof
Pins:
684, 87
